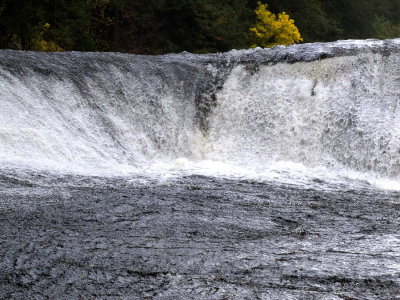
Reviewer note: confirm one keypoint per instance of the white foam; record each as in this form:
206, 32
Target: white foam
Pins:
324, 123
337, 114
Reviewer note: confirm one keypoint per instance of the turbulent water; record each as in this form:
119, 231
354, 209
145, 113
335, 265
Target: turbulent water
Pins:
252, 174
314, 112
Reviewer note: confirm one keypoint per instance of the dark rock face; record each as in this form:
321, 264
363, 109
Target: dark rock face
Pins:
197, 237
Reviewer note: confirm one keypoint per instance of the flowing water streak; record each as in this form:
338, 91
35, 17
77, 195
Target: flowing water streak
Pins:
298, 113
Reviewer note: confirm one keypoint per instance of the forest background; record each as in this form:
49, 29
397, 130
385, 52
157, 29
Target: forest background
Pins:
198, 26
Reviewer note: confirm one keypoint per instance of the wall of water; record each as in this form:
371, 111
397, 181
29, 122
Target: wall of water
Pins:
95, 112
333, 105
341, 111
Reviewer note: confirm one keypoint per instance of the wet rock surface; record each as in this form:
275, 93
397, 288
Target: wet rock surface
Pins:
197, 238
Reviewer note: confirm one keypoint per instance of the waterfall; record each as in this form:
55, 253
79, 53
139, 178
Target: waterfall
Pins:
323, 106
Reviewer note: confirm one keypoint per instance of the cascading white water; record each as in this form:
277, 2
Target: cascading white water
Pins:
114, 118
330, 107
335, 112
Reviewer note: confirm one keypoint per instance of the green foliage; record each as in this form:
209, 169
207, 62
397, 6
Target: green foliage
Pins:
207, 26
20, 21
312, 20
70, 22
271, 30
160, 26
41, 44
385, 29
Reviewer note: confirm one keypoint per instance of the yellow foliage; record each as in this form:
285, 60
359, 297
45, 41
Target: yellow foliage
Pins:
271, 30
46, 46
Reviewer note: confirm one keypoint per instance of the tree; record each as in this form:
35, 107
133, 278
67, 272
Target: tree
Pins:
271, 30
315, 23
70, 25
384, 29
20, 23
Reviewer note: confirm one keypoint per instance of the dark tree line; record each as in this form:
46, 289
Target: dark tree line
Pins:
162, 26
